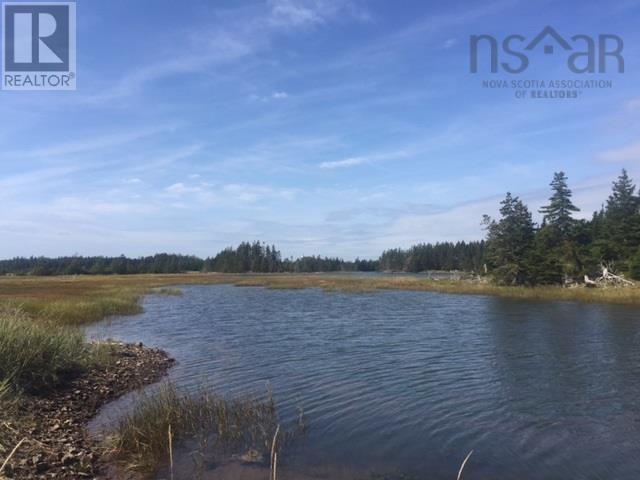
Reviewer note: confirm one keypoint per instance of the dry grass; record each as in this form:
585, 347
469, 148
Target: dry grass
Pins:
83, 299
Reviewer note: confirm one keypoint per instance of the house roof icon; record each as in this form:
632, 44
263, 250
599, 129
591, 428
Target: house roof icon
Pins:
551, 32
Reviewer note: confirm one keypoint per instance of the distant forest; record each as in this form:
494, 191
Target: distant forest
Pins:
255, 257
516, 250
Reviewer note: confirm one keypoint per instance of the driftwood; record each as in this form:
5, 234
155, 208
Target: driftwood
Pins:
607, 279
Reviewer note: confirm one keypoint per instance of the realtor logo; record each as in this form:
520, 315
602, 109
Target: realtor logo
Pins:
38, 46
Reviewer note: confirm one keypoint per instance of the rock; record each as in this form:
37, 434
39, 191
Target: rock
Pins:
252, 456
61, 416
69, 459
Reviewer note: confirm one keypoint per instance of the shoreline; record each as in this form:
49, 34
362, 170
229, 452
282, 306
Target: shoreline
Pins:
78, 300
51, 429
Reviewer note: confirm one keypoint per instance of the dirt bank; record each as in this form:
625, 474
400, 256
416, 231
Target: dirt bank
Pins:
51, 427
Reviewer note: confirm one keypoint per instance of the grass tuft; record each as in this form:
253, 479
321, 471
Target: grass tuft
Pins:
146, 437
37, 356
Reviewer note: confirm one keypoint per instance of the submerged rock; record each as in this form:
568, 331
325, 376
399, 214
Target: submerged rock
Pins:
252, 456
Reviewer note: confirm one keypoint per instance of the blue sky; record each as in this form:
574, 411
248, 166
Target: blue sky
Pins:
338, 127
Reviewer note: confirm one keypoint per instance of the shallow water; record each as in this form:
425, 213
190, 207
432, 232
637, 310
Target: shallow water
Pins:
412, 381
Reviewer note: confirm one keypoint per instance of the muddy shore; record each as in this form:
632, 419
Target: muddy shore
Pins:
52, 427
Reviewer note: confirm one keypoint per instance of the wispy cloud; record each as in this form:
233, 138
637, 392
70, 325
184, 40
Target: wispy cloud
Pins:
633, 104
281, 95
181, 189
230, 194
630, 153
253, 193
304, 13
451, 42
241, 37
347, 162
99, 143
362, 160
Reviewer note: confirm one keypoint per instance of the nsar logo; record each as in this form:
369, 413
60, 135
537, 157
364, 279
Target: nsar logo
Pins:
584, 54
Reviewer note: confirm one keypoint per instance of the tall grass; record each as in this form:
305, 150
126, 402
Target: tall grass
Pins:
83, 299
145, 438
36, 356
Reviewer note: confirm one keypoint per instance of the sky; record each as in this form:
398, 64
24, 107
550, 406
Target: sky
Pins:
332, 127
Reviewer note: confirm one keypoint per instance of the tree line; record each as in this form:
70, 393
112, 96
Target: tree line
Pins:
516, 250
466, 256
247, 257
563, 249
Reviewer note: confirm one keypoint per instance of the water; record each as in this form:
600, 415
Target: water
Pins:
412, 381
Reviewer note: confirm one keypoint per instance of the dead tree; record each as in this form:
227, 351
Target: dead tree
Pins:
608, 279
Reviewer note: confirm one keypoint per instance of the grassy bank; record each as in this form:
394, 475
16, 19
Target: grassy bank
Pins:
37, 356
83, 299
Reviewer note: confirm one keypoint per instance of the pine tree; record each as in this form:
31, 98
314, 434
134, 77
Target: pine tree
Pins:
558, 213
622, 219
510, 242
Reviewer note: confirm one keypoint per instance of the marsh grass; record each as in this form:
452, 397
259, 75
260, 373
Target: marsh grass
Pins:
37, 356
166, 291
159, 423
84, 299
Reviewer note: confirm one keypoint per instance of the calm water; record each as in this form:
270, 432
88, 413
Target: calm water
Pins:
411, 381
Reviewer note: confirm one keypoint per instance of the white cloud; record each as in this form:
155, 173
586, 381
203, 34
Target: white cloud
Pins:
242, 36
308, 13
450, 43
347, 162
253, 193
633, 104
280, 95
181, 189
362, 160
630, 153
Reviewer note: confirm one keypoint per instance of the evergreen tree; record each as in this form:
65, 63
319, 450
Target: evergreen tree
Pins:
510, 242
622, 220
558, 213
545, 265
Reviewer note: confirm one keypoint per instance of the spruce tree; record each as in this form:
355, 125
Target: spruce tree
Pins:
510, 242
622, 219
558, 213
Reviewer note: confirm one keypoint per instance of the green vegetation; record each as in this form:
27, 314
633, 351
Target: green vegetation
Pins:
465, 256
563, 249
36, 356
145, 438
77, 265
253, 257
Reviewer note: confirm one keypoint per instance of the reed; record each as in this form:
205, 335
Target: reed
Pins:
146, 438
